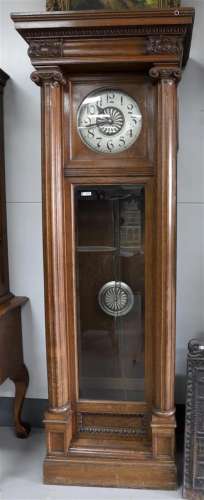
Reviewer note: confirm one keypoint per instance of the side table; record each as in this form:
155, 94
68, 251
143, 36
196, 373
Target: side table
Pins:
11, 357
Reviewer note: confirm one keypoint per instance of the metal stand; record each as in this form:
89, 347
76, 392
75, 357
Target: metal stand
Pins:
193, 486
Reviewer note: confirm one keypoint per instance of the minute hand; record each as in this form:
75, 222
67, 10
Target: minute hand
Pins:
99, 121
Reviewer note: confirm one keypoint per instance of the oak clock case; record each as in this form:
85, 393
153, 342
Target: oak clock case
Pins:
109, 137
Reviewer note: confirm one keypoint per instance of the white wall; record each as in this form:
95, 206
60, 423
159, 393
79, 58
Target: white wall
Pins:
23, 191
190, 263
23, 185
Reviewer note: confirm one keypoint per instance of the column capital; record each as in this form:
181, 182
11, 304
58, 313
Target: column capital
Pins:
48, 75
166, 73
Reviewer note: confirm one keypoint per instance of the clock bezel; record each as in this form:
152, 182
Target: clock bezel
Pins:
109, 153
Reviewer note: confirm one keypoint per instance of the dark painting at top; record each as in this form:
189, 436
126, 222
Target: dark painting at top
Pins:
108, 4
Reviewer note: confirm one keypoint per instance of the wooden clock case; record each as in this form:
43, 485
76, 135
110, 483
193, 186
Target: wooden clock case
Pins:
98, 442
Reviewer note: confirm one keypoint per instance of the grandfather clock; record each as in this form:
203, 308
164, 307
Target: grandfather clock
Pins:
109, 144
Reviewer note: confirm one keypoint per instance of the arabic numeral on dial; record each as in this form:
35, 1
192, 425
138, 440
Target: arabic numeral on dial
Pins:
130, 108
91, 110
122, 142
99, 141
134, 119
99, 102
110, 145
110, 98
121, 100
131, 132
91, 133
87, 121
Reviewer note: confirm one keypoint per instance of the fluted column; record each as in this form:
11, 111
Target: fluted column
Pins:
51, 81
163, 421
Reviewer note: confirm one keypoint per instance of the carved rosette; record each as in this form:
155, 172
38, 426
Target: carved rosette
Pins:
52, 76
158, 73
164, 45
45, 48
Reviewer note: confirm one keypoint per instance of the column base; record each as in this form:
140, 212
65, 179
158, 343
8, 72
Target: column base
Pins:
58, 426
163, 436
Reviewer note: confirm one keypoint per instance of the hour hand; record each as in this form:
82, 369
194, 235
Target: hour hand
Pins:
100, 120
88, 125
104, 121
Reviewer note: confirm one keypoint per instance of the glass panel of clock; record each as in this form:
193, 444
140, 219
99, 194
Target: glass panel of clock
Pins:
110, 291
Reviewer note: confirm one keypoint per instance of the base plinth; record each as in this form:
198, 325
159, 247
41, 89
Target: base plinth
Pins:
110, 473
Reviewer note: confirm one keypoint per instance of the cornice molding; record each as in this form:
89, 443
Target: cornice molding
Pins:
158, 73
95, 15
52, 36
49, 75
157, 43
40, 36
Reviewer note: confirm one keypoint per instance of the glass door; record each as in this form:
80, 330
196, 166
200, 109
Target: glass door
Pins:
110, 291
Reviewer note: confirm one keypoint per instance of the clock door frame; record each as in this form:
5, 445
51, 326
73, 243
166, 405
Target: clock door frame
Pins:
69, 187
154, 43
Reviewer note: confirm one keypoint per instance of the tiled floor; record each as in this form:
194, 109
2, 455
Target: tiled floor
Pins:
21, 475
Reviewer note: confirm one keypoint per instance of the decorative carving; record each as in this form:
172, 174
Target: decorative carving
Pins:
165, 73
164, 45
195, 348
116, 298
55, 44
45, 48
194, 428
52, 76
100, 32
125, 431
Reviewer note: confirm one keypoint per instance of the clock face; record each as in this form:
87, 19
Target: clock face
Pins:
109, 121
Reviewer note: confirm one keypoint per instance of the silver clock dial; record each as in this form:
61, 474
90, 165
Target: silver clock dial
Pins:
109, 121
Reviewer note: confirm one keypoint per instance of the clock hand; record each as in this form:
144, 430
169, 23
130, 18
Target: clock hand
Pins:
88, 126
99, 121
103, 113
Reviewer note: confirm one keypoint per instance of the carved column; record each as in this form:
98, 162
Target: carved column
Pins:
163, 421
51, 81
